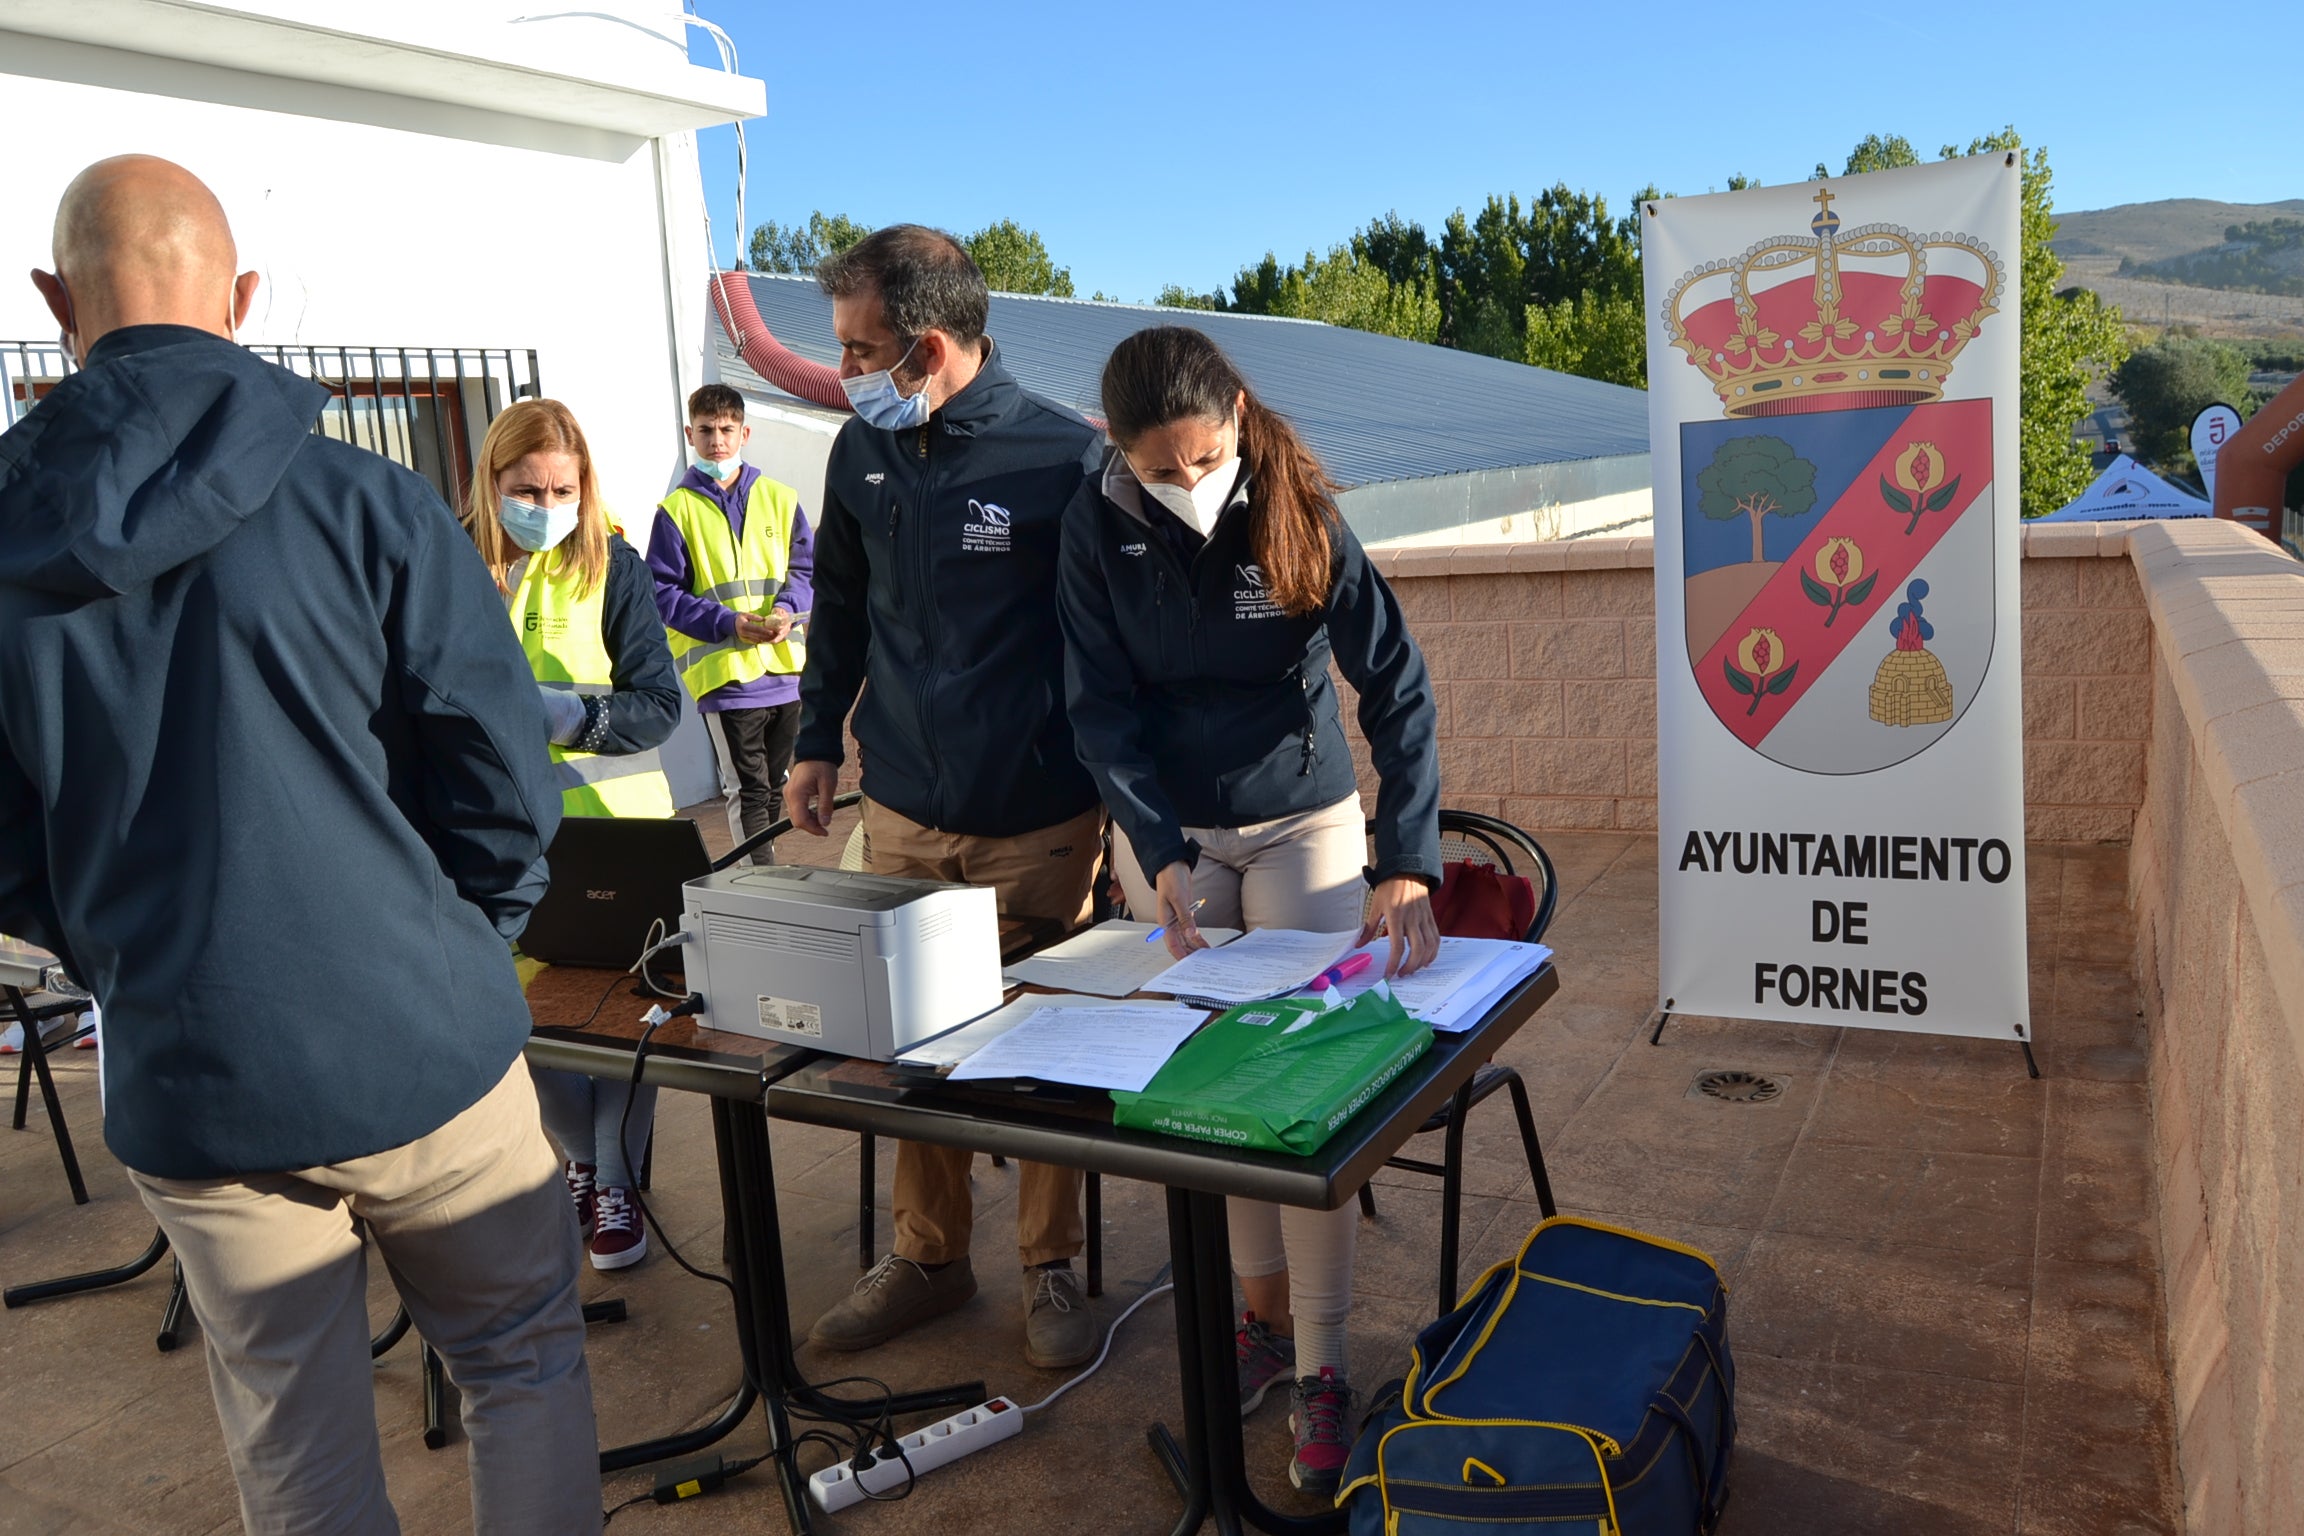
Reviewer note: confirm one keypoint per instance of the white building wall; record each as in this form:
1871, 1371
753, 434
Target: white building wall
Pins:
380, 220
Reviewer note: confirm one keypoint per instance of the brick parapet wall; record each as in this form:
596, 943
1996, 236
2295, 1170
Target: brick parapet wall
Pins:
1543, 659
2217, 882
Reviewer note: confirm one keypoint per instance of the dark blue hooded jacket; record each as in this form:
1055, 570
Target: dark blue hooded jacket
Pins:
273, 779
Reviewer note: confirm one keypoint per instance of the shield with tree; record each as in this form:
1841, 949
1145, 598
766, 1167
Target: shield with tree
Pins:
1756, 478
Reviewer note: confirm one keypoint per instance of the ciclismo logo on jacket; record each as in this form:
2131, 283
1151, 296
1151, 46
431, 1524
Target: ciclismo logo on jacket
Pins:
1250, 599
987, 530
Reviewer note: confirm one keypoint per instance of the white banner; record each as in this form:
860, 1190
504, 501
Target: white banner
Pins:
1832, 386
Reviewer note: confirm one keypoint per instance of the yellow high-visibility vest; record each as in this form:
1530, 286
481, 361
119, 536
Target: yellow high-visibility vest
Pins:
560, 631
746, 577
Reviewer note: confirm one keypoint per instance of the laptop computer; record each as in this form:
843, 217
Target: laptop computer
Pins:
613, 877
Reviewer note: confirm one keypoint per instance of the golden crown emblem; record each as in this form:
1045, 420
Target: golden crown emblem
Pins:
1872, 325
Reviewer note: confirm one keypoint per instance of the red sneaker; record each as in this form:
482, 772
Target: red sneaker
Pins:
618, 1238
580, 1190
1323, 1406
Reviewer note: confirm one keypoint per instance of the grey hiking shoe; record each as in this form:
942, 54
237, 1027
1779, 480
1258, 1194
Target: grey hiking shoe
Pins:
1264, 1357
1057, 1328
894, 1294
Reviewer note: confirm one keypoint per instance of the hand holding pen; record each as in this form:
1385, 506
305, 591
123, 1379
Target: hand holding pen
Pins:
1176, 906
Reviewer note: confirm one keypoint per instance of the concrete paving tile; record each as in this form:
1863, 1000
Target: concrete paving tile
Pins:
2096, 1176
31, 1512
1643, 1146
1888, 1197
1895, 1308
2000, 1114
1693, 1043
1399, 1252
1836, 1449
2100, 1440
162, 1458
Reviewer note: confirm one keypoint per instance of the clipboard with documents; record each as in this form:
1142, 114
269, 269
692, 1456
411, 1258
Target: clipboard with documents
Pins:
1281, 1075
1455, 992
1112, 959
1264, 963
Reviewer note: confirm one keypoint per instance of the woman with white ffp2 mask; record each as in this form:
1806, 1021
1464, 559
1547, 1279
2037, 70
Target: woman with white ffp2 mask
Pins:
583, 604
1207, 583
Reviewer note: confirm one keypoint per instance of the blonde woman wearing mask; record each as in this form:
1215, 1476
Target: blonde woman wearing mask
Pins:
583, 604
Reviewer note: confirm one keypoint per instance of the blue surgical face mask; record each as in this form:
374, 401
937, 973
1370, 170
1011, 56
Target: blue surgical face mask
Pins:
718, 469
876, 399
534, 528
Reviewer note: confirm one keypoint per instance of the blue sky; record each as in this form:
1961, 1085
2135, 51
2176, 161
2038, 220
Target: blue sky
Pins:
1176, 143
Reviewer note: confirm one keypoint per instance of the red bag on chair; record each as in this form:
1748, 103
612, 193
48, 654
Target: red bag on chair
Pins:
1479, 901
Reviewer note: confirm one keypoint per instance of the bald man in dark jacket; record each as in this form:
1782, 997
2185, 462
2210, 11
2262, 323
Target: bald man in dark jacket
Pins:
273, 783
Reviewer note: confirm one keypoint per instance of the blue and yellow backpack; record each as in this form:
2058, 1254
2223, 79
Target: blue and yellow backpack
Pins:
1582, 1386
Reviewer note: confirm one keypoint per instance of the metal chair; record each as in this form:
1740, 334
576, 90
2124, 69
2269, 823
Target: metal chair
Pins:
39, 1040
1469, 836
868, 1146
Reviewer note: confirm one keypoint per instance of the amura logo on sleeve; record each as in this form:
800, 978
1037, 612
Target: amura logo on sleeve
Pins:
989, 529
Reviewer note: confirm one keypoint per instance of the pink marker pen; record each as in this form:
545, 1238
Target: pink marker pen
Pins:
1342, 971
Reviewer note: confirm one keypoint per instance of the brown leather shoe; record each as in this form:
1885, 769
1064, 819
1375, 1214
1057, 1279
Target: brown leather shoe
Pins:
1058, 1331
895, 1294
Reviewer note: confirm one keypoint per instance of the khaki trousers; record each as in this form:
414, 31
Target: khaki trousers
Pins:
1302, 871
1045, 874
1305, 872
474, 1224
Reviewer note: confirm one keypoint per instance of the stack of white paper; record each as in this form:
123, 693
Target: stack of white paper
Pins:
1458, 988
1118, 1046
954, 1046
1270, 962
1111, 959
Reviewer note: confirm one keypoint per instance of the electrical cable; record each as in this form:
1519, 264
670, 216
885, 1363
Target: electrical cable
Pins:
880, 1427
1111, 1333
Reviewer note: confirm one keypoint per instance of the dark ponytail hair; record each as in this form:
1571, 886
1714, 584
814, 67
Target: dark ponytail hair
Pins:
1173, 372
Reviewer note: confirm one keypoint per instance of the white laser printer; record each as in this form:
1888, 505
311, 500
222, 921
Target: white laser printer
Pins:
855, 964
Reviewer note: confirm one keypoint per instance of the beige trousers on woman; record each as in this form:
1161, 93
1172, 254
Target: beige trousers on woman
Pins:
1299, 872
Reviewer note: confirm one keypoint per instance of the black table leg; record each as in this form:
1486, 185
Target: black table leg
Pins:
1187, 1464
1452, 1196
1231, 1500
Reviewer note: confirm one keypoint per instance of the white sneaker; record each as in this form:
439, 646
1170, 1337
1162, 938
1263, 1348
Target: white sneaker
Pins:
12, 1040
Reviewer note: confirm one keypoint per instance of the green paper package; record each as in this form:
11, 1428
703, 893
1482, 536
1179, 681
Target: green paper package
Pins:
1278, 1076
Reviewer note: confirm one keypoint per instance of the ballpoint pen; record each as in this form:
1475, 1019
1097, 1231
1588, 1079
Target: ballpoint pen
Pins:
1154, 935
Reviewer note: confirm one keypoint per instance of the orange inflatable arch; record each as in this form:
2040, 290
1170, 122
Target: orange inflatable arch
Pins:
2252, 469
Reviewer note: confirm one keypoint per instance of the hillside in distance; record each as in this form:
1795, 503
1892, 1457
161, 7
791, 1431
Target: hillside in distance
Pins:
2170, 238
2149, 232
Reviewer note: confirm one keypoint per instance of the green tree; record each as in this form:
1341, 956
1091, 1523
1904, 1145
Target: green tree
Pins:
2070, 337
1588, 335
2167, 383
1555, 281
1016, 260
1177, 296
799, 247
1874, 153
1345, 288
1756, 477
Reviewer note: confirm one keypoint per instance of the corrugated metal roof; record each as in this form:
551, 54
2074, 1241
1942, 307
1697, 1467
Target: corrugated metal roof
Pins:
1375, 408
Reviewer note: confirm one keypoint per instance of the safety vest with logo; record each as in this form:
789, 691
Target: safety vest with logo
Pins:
559, 628
744, 576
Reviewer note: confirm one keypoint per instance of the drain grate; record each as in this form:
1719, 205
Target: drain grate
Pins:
1739, 1087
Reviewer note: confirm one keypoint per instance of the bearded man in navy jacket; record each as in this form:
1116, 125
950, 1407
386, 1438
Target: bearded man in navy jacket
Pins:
936, 602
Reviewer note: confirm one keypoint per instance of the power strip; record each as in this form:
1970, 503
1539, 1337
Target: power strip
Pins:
838, 1486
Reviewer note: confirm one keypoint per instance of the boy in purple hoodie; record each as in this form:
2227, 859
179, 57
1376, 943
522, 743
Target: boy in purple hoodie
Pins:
733, 555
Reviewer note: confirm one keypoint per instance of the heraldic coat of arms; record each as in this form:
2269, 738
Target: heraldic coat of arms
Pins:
1837, 521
